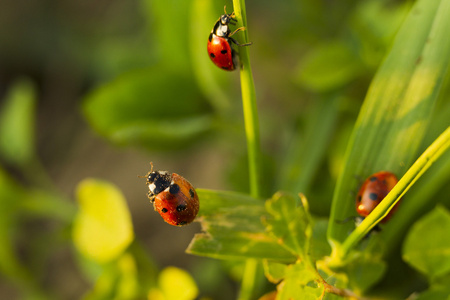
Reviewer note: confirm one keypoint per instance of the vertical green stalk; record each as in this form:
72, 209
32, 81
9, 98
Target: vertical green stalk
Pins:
249, 105
252, 268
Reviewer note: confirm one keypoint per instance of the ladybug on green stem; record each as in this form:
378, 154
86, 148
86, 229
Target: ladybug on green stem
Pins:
373, 191
219, 46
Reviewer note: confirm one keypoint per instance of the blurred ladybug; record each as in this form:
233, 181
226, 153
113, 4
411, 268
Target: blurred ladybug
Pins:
373, 191
173, 197
219, 46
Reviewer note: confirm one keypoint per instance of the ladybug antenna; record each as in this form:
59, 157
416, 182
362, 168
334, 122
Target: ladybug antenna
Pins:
151, 170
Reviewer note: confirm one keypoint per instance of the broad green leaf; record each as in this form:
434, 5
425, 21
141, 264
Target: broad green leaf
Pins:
17, 123
102, 228
319, 245
176, 283
232, 228
365, 271
300, 283
275, 272
427, 246
153, 108
435, 293
290, 223
397, 108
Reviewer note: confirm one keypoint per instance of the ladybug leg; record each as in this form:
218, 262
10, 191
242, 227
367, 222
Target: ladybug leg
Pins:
151, 196
236, 42
237, 30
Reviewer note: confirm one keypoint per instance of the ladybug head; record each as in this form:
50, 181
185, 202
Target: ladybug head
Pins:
158, 181
227, 18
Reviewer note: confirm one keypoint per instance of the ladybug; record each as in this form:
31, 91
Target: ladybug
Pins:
173, 197
219, 43
373, 191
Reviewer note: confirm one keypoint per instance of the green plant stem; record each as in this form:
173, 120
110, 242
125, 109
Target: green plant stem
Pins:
433, 152
252, 270
249, 105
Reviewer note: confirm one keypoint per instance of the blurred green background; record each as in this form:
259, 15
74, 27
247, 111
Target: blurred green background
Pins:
112, 85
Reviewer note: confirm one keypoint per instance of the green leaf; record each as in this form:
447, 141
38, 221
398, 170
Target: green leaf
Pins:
176, 283
434, 151
300, 283
102, 228
290, 223
397, 108
306, 153
153, 108
17, 123
328, 67
435, 293
427, 246
365, 271
275, 272
232, 228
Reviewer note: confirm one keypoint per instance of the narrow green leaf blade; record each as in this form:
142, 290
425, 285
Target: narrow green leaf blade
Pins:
232, 228
397, 108
17, 123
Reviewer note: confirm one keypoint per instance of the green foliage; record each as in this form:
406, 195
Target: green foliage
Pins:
174, 283
17, 123
323, 56
427, 247
102, 228
290, 224
397, 109
143, 109
233, 229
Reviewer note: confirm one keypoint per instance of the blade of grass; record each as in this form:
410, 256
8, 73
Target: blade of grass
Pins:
397, 109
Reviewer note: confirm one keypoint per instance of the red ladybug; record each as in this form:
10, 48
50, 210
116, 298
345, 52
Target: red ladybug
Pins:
173, 197
219, 46
373, 191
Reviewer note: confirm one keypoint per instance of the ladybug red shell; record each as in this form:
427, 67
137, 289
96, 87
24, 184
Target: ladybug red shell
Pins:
173, 197
219, 43
373, 191
221, 53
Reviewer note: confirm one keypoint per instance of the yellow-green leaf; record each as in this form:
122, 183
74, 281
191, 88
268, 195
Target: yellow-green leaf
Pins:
102, 228
177, 284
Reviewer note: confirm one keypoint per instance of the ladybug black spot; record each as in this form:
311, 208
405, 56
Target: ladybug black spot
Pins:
373, 196
181, 207
359, 199
191, 193
174, 188
373, 179
224, 51
164, 210
212, 55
